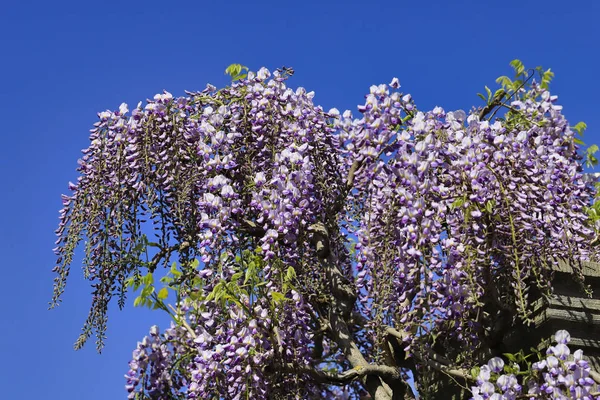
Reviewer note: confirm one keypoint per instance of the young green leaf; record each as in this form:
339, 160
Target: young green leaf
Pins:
163, 293
290, 274
148, 279
235, 277
277, 297
147, 291
504, 81
579, 127
489, 206
517, 66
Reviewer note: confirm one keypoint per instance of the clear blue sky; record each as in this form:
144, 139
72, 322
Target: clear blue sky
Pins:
62, 62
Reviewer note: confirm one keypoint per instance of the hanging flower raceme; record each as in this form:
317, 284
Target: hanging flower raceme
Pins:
306, 241
557, 376
208, 170
452, 205
227, 353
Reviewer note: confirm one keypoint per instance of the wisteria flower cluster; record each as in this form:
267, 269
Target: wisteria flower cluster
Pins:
150, 367
322, 254
559, 376
450, 203
218, 356
205, 169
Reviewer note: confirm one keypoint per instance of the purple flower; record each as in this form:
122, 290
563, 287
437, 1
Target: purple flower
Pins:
496, 364
562, 337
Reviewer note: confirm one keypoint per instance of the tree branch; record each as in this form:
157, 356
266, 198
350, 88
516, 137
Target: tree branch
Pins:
496, 101
165, 253
321, 376
352, 172
341, 287
344, 295
432, 359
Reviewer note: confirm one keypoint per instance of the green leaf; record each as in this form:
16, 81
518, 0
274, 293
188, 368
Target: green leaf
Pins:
580, 127
195, 295
278, 297
481, 96
138, 301
504, 81
233, 287
176, 273
249, 272
148, 279
457, 203
489, 206
352, 248
499, 93
516, 84
489, 94
290, 274
216, 291
467, 215
223, 295
147, 291
547, 78
517, 66
235, 71
163, 293
235, 277
592, 149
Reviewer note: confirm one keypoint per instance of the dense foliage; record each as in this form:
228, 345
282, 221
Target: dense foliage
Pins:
315, 254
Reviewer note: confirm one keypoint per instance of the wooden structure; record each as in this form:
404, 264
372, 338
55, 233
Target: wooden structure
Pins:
568, 309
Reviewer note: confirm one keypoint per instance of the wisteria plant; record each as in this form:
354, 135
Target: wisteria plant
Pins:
315, 254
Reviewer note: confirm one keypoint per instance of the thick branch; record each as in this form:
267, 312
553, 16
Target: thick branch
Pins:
341, 288
381, 386
453, 372
352, 172
432, 359
342, 336
320, 239
321, 376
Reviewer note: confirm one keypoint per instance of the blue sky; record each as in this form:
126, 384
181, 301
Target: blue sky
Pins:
62, 62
